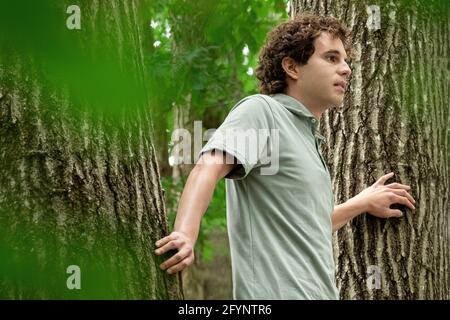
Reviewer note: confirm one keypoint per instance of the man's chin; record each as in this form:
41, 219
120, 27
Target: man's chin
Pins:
337, 104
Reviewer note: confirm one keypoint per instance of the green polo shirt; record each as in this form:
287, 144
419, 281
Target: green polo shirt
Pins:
279, 201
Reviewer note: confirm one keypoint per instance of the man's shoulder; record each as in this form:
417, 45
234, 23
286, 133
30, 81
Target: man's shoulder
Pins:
256, 103
253, 110
258, 98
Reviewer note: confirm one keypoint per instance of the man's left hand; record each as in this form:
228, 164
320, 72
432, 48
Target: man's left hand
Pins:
378, 198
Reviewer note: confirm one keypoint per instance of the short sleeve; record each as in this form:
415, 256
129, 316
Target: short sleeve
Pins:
245, 135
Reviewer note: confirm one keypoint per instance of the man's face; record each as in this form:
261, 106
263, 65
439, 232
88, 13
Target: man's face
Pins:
323, 80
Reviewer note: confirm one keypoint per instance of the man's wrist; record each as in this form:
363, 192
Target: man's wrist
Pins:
357, 206
189, 234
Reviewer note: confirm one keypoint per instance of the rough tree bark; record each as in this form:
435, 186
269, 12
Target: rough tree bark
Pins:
395, 118
79, 184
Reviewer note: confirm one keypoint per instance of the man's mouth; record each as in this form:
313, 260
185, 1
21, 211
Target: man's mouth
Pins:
341, 85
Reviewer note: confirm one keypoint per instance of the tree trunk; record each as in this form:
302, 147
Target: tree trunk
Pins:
395, 117
183, 161
79, 181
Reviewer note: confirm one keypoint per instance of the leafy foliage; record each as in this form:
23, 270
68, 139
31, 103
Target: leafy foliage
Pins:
199, 53
212, 48
203, 49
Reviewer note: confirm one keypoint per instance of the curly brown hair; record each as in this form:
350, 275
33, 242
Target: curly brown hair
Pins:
293, 39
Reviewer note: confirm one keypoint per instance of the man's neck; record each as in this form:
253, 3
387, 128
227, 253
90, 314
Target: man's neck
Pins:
310, 105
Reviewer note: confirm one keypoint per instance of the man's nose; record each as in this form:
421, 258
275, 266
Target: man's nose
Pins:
345, 70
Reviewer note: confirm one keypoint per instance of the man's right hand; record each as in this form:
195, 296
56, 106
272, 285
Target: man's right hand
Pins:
179, 261
211, 167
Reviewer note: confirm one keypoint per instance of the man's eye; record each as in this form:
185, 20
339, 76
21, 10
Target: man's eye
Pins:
332, 58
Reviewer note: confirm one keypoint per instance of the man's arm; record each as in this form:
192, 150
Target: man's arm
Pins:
194, 201
375, 200
345, 212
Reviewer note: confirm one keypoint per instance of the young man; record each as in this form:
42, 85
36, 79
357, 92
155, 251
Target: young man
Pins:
280, 223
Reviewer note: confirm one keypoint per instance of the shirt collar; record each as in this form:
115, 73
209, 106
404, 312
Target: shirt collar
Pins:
293, 105
297, 108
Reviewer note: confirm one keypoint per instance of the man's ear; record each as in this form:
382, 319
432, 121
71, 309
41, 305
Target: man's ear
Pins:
289, 66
